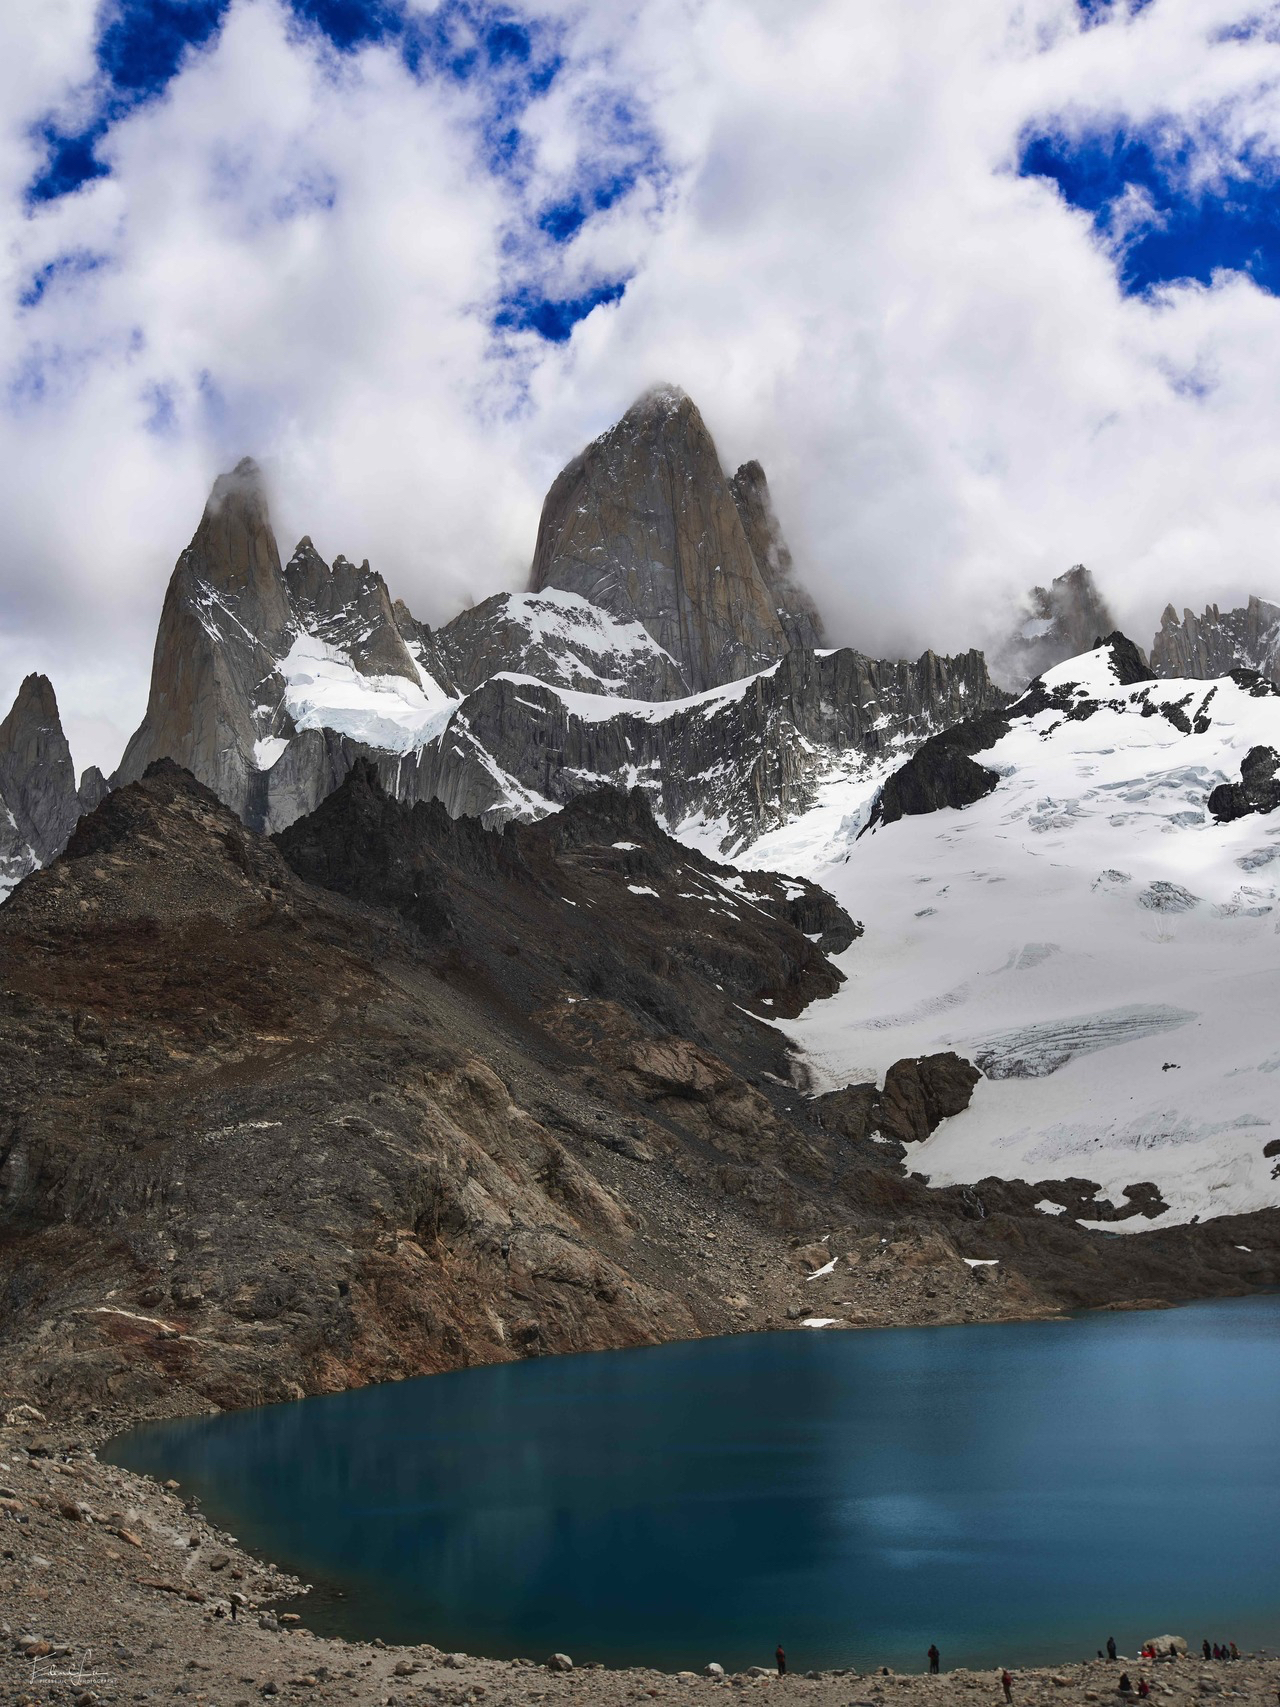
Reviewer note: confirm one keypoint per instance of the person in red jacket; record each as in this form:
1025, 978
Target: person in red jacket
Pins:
781, 1658
1006, 1683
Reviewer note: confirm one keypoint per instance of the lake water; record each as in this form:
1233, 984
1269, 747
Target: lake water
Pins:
1014, 1493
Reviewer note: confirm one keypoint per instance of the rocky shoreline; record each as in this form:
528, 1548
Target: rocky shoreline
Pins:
114, 1589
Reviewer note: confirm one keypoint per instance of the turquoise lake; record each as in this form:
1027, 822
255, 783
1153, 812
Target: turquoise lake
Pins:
1014, 1493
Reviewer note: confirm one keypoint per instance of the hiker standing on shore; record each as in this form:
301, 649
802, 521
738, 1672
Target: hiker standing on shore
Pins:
1205, 1646
1006, 1683
935, 1659
781, 1658
1111, 1647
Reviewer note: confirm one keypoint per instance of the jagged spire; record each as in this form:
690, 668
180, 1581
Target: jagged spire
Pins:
37, 777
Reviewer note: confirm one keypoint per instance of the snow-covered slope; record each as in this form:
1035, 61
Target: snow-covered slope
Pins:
323, 689
1088, 934
561, 639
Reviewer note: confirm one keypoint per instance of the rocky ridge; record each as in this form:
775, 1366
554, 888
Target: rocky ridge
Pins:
270, 682
1218, 642
739, 759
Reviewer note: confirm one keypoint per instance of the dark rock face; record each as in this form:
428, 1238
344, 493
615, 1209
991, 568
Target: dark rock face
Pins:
753, 758
1257, 791
231, 615
941, 772
643, 523
1128, 665
559, 638
919, 1093
1060, 622
417, 860
795, 610
38, 800
348, 608
93, 789
1218, 642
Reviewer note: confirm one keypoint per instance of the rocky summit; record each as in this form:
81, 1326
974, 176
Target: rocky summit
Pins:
667, 642
1058, 622
645, 524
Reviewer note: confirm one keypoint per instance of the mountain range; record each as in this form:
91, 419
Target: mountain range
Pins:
626, 929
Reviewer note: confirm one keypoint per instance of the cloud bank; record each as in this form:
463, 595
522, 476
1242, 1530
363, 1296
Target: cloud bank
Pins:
989, 289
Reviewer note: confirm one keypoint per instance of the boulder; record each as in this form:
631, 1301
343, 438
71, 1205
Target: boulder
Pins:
921, 1092
941, 772
1257, 791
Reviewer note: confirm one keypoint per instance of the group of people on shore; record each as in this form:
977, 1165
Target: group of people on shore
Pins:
1216, 1650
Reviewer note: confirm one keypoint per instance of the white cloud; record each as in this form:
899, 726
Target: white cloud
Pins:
930, 354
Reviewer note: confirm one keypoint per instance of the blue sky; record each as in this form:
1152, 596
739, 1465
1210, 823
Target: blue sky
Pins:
1137, 184
509, 58
1139, 188
990, 289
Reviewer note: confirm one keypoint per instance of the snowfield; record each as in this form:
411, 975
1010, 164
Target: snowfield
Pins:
324, 690
1088, 935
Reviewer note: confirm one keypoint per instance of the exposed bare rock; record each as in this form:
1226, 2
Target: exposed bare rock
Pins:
1257, 791
747, 935
942, 772
643, 523
1218, 642
923, 1091
920, 1092
349, 608
93, 789
215, 686
37, 777
39, 803
1058, 622
796, 611
752, 757
561, 639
